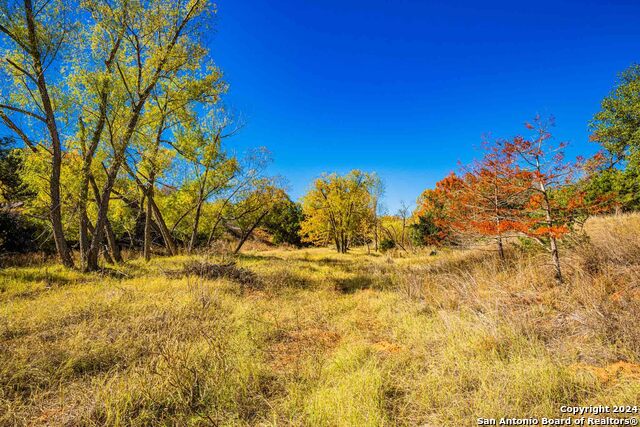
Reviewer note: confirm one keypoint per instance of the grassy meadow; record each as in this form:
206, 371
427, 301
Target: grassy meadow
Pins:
316, 338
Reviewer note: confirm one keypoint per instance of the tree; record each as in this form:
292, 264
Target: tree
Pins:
17, 232
549, 217
617, 128
283, 222
251, 209
404, 213
377, 192
13, 189
160, 37
246, 177
34, 37
425, 230
489, 202
91, 86
211, 170
338, 209
436, 211
393, 228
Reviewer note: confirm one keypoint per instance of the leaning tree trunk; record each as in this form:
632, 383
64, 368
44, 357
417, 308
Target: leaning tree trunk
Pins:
112, 242
246, 235
108, 229
164, 230
91, 262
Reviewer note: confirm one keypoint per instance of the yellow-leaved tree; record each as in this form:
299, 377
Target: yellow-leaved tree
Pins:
338, 209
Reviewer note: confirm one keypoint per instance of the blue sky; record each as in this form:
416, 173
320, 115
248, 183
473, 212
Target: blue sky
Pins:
408, 88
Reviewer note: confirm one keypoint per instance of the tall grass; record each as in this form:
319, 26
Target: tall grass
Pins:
326, 339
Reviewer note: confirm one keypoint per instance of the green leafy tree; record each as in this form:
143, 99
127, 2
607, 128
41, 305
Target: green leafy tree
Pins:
17, 232
617, 128
425, 230
13, 189
283, 222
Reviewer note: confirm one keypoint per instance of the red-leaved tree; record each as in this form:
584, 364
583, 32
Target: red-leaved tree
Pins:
550, 209
490, 200
437, 211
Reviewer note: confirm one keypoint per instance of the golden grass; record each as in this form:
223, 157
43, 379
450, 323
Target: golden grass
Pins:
328, 340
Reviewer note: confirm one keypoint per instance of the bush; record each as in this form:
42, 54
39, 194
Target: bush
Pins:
387, 244
17, 235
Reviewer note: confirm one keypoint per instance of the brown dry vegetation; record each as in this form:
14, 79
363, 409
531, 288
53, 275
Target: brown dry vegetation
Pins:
325, 339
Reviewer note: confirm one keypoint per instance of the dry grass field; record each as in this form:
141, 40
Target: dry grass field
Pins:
309, 337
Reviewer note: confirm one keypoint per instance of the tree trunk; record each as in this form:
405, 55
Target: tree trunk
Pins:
107, 256
556, 258
375, 234
91, 262
164, 230
248, 233
343, 243
213, 229
146, 251
84, 230
553, 246
83, 198
108, 229
500, 248
82, 206
194, 231
112, 242
147, 231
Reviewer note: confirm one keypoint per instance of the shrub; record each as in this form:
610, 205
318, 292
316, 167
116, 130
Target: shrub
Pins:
387, 244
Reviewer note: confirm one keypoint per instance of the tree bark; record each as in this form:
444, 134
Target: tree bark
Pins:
91, 261
500, 248
553, 246
147, 224
194, 231
248, 233
164, 230
108, 229
112, 242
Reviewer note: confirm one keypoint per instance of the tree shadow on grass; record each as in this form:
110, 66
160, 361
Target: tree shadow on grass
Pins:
51, 278
353, 284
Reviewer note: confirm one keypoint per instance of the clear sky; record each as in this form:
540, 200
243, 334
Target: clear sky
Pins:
407, 88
